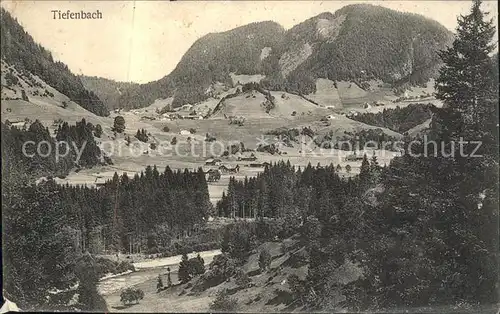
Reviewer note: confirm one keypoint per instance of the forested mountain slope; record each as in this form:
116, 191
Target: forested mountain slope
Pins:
358, 43
20, 50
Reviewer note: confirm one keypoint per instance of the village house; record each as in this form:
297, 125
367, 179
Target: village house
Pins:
213, 162
18, 124
99, 182
225, 169
353, 157
187, 107
252, 157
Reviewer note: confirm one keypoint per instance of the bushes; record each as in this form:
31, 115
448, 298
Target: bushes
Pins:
11, 79
268, 105
311, 229
264, 260
159, 284
166, 129
238, 241
197, 265
184, 275
124, 266
297, 287
105, 266
242, 279
307, 131
190, 268
285, 132
118, 124
240, 121
223, 302
398, 119
130, 295
98, 130
24, 96
348, 168
142, 135
270, 148
210, 138
219, 270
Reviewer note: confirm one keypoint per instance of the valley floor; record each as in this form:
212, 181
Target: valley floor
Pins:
268, 292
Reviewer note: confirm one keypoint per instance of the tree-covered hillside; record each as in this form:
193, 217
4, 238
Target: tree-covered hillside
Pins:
364, 42
399, 119
47, 162
210, 59
19, 49
109, 91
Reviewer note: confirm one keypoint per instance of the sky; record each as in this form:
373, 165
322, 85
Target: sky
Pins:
142, 41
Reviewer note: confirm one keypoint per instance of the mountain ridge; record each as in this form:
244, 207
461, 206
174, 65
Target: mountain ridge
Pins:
356, 43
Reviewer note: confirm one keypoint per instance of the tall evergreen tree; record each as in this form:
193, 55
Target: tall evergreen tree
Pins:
465, 83
433, 233
184, 269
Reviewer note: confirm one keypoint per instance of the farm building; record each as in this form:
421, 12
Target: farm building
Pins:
353, 157
225, 169
252, 157
99, 182
18, 124
213, 162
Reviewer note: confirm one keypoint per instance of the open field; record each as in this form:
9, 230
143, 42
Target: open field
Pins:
291, 111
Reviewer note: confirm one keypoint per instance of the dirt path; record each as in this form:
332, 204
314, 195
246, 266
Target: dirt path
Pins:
145, 278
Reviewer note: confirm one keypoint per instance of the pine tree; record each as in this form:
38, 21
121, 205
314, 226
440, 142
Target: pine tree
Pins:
119, 124
464, 83
264, 260
169, 279
89, 299
364, 171
159, 284
183, 273
469, 91
445, 203
348, 168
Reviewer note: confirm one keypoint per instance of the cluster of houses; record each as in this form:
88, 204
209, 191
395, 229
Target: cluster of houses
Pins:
185, 112
354, 157
169, 116
215, 174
